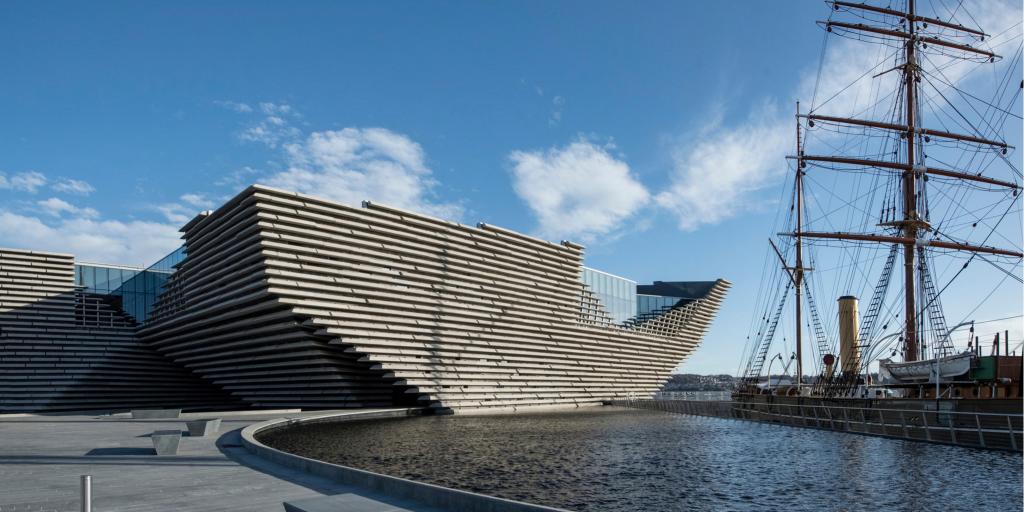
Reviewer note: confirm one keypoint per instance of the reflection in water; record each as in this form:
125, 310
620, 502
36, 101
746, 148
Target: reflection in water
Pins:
611, 459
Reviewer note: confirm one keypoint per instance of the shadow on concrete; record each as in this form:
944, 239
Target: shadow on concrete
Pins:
119, 451
121, 459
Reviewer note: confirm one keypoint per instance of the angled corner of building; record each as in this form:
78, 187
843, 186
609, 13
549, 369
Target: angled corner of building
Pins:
290, 300
65, 348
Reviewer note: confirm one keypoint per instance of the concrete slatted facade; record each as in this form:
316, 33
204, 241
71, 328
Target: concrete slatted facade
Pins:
290, 300
61, 349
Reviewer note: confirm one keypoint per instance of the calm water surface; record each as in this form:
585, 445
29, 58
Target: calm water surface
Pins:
611, 459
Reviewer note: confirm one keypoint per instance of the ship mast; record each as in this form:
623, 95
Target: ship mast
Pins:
910, 220
912, 225
798, 270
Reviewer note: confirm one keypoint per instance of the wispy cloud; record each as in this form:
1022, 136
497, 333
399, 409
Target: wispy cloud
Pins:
237, 178
57, 207
239, 107
356, 164
73, 186
187, 207
111, 241
197, 200
713, 176
26, 181
557, 106
579, 191
266, 123
719, 169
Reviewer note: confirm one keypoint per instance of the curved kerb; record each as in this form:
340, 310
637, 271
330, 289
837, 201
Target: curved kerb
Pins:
401, 488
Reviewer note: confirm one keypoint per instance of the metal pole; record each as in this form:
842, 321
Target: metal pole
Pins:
86, 493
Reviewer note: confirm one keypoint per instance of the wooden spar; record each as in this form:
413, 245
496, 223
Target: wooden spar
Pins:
906, 129
908, 35
939, 244
910, 217
783, 260
901, 14
904, 167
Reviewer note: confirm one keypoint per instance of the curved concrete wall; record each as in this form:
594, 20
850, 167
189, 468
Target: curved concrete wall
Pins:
426, 494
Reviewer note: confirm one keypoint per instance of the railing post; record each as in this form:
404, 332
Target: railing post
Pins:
86, 493
981, 434
927, 429
952, 427
846, 419
1013, 437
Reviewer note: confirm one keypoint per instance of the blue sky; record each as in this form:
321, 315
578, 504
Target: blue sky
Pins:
592, 121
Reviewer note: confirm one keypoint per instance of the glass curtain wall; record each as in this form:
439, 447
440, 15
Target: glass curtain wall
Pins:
136, 288
617, 294
654, 304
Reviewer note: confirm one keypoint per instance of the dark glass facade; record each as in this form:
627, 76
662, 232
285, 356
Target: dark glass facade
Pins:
654, 304
135, 288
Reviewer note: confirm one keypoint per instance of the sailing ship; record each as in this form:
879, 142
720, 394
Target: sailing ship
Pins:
903, 173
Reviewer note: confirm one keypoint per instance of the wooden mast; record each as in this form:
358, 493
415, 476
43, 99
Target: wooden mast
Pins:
912, 227
798, 270
910, 214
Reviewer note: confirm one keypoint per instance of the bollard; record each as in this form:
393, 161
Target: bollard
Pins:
86, 493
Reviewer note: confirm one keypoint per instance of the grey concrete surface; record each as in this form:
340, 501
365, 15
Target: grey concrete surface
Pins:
154, 414
203, 428
165, 442
348, 502
42, 458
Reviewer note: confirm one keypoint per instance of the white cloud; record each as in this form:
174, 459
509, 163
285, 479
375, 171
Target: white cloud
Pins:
57, 207
271, 131
109, 241
276, 109
272, 128
356, 164
197, 200
176, 213
73, 186
579, 191
237, 178
718, 171
557, 106
27, 181
713, 177
241, 108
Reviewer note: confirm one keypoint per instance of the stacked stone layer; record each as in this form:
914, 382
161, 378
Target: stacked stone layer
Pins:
61, 349
290, 300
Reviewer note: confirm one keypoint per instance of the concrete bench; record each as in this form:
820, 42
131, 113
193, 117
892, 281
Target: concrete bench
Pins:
203, 428
155, 414
165, 442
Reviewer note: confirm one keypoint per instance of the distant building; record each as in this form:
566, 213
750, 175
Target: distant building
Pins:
283, 300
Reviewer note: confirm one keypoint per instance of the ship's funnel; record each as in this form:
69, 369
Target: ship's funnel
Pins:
849, 333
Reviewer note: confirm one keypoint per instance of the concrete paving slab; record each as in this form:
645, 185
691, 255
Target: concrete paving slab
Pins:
42, 457
347, 502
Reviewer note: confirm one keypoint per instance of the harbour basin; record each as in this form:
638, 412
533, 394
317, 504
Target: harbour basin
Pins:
614, 459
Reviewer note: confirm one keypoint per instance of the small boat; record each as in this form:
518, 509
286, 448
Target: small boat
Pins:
924, 370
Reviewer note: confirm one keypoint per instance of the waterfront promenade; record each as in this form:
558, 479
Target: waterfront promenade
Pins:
42, 457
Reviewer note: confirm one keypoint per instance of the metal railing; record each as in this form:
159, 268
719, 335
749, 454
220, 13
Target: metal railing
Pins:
993, 431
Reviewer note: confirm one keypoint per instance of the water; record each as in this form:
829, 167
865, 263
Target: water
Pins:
611, 459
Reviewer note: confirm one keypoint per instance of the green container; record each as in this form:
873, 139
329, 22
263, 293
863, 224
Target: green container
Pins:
984, 369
